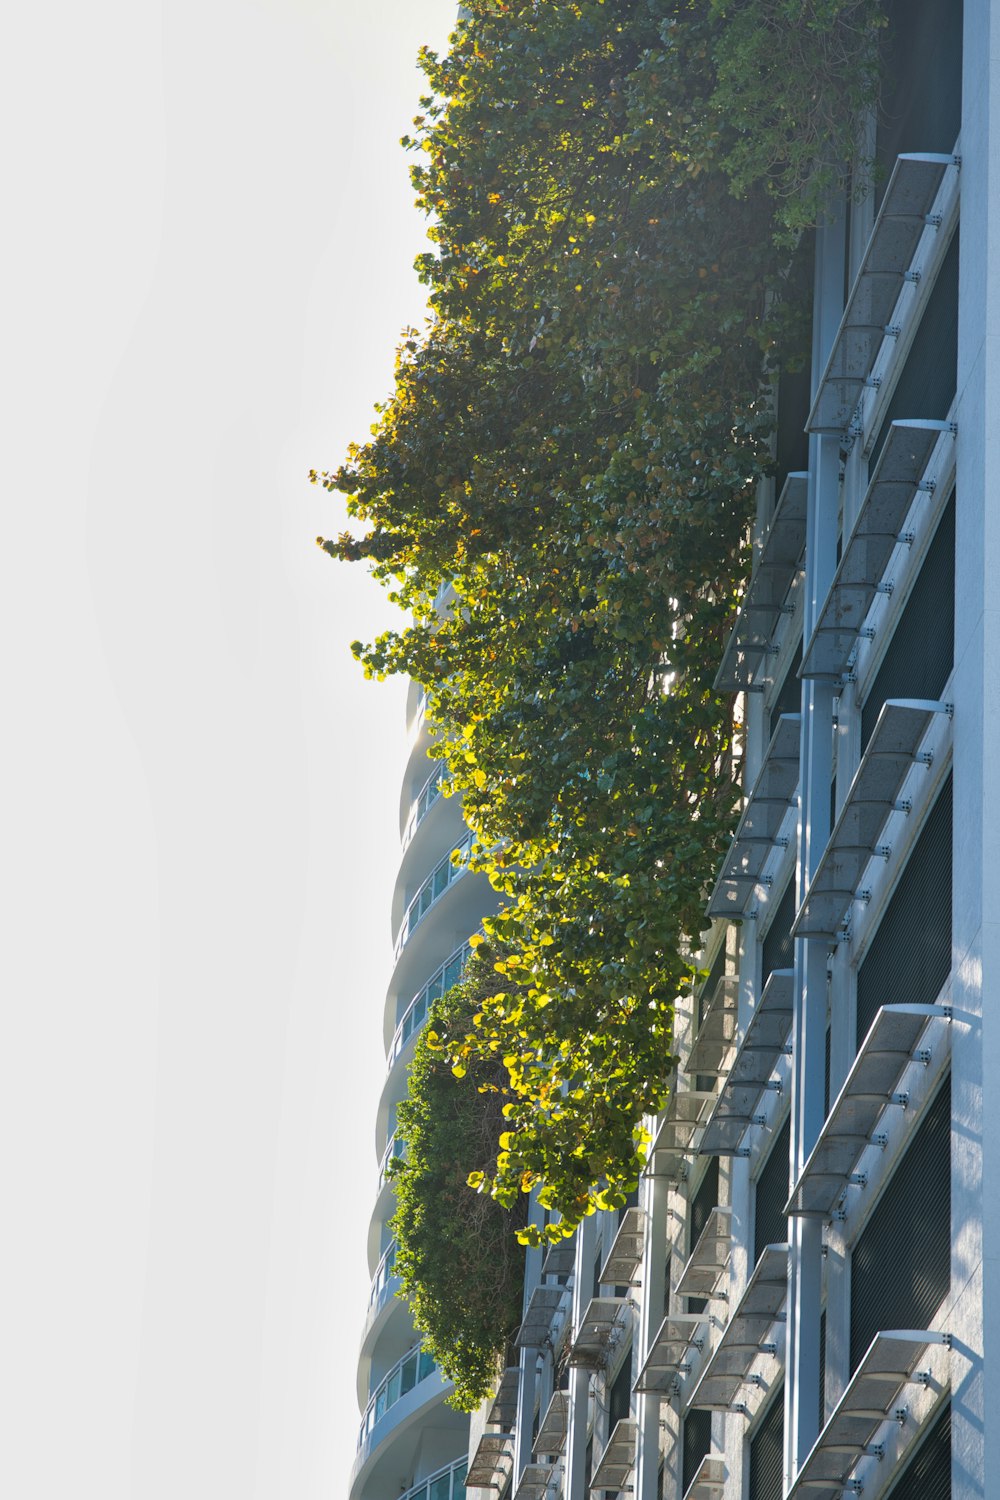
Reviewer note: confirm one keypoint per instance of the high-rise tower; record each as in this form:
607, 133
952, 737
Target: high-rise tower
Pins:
412, 1445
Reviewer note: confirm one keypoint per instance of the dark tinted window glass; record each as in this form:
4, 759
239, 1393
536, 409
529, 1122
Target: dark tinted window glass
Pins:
901, 1265
921, 107
766, 1457
697, 1440
620, 1394
928, 1474
926, 384
776, 950
770, 1227
919, 658
704, 1200
789, 699
910, 954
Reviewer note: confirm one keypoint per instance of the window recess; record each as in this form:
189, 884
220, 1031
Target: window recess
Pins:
551, 1439
709, 1258
625, 1255
678, 1342
901, 473
759, 829
711, 1049
679, 1134
908, 211
709, 1479
873, 794
617, 1459
749, 1334
874, 1398
766, 599
899, 1036
766, 1042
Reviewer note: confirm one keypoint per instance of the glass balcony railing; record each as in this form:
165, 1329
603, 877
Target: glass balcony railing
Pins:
384, 1272
446, 1484
415, 1014
401, 1379
395, 1147
444, 874
424, 801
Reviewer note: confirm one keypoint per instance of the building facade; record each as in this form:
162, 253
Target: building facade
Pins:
796, 1304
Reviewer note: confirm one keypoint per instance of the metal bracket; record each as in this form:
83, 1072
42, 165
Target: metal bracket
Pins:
934, 221
858, 1179
907, 538
923, 1377
911, 276
881, 1141
864, 895
927, 486
904, 805
900, 1414
924, 1056
876, 1450
892, 330
885, 588
902, 1099
867, 633
883, 850
925, 757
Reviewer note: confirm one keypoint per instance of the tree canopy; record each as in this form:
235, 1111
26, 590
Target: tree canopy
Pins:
558, 494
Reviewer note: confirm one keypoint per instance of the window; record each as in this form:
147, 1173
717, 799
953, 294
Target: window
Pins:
766, 1457
776, 950
770, 1227
910, 955
920, 656
901, 1264
696, 1440
928, 1474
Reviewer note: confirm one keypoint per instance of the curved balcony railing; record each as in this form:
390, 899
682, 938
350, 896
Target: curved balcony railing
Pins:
444, 874
401, 1379
415, 1013
446, 1484
384, 1272
394, 1147
424, 801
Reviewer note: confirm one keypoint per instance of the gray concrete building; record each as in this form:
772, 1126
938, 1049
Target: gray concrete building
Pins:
795, 1305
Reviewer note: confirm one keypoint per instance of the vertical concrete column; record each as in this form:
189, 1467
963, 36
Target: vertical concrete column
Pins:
579, 1380
974, 1316
529, 1357
809, 1025
656, 1193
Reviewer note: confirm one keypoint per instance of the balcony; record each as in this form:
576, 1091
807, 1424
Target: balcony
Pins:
404, 1376
445, 1484
423, 802
384, 1274
415, 1014
395, 1147
444, 874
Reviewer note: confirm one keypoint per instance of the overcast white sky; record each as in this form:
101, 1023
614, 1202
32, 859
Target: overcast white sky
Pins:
207, 263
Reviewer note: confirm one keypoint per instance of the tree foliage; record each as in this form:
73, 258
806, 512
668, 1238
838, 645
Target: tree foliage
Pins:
460, 1265
569, 461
